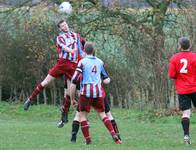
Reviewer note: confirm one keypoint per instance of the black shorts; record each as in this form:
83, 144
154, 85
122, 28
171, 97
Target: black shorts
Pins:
185, 100
106, 104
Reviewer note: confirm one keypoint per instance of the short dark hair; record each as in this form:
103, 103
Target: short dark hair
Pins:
89, 47
184, 43
61, 21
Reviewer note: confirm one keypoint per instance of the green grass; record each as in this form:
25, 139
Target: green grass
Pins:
36, 130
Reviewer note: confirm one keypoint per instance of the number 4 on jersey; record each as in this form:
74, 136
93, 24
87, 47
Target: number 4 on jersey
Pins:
184, 67
94, 69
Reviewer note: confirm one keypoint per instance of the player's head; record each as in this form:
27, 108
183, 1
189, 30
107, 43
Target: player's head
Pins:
184, 43
63, 26
89, 48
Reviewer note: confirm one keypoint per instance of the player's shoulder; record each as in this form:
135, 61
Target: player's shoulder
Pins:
83, 60
98, 59
176, 55
193, 53
175, 58
194, 56
73, 33
78, 34
60, 35
183, 54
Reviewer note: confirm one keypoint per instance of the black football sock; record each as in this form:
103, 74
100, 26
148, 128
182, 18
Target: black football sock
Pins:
185, 125
64, 117
114, 124
75, 128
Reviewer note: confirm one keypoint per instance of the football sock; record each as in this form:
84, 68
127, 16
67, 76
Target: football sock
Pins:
66, 103
75, 127
108, 125
85, 130
185, 125
114, 124
36, 91
64, 117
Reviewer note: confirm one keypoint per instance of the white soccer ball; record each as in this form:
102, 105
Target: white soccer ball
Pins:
65, 7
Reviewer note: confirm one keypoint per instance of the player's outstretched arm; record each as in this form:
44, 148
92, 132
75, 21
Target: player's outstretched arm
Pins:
74, 103
75, 79
60, 41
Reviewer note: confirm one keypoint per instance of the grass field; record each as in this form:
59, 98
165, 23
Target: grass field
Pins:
36, 130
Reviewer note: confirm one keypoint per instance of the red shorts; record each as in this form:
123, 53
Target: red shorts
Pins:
63, 67
85, 103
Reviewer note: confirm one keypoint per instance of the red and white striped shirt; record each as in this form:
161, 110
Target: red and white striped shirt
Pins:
70, 40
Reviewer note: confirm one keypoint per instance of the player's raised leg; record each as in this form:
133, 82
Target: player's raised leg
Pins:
66, 104
39, 88
64, 111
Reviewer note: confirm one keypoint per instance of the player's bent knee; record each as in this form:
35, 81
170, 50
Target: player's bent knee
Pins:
102, 115
47, 80
77, 117
186, 113
83, 116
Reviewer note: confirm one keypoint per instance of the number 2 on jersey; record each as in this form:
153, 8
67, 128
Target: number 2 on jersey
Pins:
184, 67
94, 69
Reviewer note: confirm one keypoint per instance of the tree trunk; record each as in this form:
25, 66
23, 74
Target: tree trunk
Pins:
38, 100
0, 92
11, 94
160, 94
59, 96
22, 96
45, 96
54, 94
160, 73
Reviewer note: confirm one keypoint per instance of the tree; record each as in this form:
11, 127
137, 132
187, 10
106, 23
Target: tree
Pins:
152, 24
135, 43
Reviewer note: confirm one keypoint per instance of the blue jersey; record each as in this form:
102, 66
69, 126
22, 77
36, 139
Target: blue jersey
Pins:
89, 72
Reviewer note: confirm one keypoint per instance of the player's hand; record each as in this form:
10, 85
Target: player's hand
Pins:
74, 103
106, 81
73, 50
62, 108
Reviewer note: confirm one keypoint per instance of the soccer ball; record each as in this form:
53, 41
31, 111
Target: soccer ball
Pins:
65, 7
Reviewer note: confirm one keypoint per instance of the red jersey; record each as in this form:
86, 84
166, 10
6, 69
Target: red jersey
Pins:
182, 69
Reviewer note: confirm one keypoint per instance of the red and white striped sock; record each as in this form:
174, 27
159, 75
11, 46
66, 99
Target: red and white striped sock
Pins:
85, 130
108, 125
66, 103
39, 88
